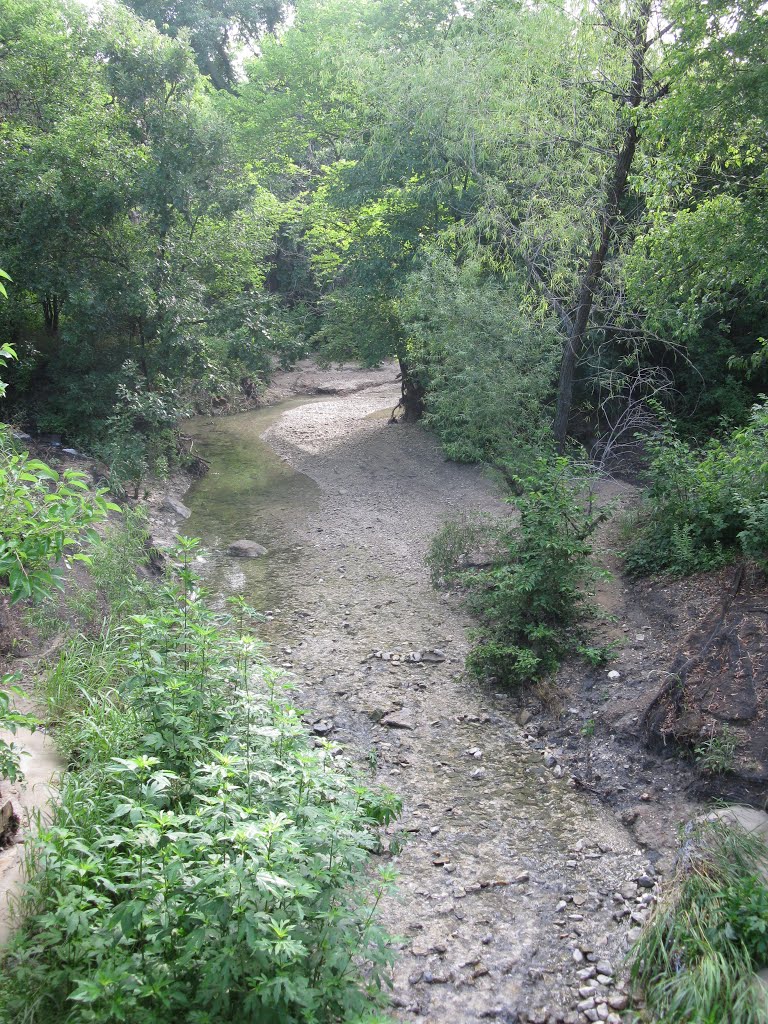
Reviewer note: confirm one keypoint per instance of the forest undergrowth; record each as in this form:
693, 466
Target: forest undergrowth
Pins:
204, 860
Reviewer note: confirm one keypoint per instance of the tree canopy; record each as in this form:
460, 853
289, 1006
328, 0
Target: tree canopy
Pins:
192, 191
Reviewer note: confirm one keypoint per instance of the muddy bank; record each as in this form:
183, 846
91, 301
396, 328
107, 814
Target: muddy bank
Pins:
516, 892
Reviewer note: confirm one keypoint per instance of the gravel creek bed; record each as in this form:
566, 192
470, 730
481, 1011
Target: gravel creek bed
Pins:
516, 895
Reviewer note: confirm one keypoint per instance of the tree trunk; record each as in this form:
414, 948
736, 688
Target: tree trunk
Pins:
412, 400
608, 221
51, 311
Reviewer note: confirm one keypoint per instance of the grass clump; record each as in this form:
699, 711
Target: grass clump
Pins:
531, 599
696, 959
205, 862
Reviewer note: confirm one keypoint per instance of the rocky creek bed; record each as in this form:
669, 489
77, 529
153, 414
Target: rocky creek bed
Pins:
517, 893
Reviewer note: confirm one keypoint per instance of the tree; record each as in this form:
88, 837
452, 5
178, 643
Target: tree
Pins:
216, 29
137, 233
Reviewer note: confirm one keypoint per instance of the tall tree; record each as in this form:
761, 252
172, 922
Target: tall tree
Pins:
216, 29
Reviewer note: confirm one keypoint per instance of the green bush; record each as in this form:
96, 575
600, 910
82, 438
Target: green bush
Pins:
704, 506
205, 862
696, 959
531, 602
43, 515
489, 364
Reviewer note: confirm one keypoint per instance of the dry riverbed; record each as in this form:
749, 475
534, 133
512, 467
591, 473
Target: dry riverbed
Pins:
517, 892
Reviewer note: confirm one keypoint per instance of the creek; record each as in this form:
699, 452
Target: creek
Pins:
506, 873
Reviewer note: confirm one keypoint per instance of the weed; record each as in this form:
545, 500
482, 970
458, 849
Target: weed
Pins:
205, 862
716, 755
696, 959
531, 600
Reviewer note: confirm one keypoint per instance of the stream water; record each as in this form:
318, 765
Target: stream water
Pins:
507, 874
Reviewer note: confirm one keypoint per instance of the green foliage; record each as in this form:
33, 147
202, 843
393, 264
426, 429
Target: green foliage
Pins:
43, 515
215, 29
490, 366
716, 754
205, 862
10, 720
696, 958
704, 505
132, 230
531, 602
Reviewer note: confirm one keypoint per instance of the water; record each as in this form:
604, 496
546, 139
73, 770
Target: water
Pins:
250, 493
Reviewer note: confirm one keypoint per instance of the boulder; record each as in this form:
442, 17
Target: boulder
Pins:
246, 549
177, 507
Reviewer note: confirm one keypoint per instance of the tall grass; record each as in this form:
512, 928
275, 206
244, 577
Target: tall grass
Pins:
696, 960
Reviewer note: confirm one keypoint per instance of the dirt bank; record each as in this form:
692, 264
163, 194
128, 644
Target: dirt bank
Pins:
516, 891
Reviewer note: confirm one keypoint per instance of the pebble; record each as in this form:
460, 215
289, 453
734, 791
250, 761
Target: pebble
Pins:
613, 674
436, 979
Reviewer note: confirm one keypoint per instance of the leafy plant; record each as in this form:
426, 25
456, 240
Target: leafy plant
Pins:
43, 515
716, 754
205, 861
531, 602
704, 506
10, 720
696, 958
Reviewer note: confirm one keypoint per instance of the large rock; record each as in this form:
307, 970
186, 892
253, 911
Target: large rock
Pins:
177, 507
246, 549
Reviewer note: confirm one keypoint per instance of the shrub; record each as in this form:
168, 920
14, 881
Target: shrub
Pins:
696, 958
531, 601
489, 364
205, 863
705, 505
43, 514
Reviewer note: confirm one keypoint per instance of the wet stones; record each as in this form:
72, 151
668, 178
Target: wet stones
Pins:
178, 508
398, 720
433, 656
246, 549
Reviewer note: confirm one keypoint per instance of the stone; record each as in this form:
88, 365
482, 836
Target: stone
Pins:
177, 507
435, 655
9, 819
646, 882
397, 721
549, 760
246, 549
619, 1001
613, 674
557, 771
604, 967
322, 728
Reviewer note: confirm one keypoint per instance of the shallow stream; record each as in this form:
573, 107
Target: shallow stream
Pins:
506, 872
